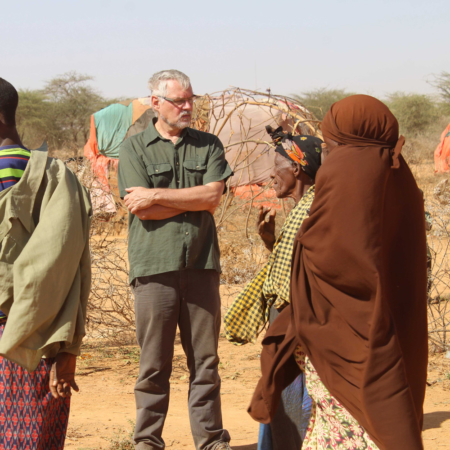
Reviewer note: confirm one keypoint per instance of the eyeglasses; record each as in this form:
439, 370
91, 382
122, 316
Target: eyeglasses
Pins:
179, 102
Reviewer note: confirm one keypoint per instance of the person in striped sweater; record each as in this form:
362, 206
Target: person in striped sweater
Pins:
13, 161
14, 156
38, 355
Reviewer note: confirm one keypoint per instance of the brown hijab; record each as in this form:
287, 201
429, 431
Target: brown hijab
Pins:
358, 288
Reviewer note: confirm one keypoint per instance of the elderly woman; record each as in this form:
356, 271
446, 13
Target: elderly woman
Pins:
357, 323
297, 161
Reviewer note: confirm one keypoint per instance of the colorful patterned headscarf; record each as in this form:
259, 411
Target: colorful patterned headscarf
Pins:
304, 149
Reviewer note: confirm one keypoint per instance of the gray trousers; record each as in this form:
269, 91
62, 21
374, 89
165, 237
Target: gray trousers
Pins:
190, 299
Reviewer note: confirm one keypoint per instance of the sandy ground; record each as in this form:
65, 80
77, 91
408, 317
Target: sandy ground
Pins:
104, 408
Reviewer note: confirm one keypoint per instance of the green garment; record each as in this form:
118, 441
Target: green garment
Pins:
45, 270
111, 126
188, 240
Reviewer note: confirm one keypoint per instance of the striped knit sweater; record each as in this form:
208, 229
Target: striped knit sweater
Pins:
13, 161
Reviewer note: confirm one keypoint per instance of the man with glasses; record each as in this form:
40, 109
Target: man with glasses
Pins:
172, 178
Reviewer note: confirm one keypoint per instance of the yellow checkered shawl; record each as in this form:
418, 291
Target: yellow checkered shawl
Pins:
250, 310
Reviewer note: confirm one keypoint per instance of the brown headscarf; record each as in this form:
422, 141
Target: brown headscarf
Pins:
358, 288
361, 120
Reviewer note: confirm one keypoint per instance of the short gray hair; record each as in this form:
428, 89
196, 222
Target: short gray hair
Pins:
158, 82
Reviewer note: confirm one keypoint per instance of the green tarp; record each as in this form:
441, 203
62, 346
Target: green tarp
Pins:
111, 125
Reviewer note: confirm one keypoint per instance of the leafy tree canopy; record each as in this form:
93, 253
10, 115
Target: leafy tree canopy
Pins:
60, 113
319, 101
32, 117
414, 112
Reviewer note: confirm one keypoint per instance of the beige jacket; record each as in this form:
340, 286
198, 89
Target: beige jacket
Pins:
45, 270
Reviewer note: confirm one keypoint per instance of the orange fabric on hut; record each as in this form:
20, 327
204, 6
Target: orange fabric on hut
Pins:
442, 152
99, 163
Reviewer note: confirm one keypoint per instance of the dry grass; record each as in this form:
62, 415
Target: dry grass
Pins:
123, 442
419, 148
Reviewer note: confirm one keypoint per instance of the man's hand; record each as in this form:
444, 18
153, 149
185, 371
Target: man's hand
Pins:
139, 198
62, 375
158, 212
267, 229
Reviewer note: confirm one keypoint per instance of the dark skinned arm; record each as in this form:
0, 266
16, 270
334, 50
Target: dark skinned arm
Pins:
62, 375
266, 228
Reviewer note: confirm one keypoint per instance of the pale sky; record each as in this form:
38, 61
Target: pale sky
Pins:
372, 47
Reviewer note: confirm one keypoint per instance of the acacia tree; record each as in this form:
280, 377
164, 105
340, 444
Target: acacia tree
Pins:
442, 84
33, 117
319, 101
71, 101
60, 113
414, 112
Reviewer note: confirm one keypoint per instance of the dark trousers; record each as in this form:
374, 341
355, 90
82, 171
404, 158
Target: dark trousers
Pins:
190, 299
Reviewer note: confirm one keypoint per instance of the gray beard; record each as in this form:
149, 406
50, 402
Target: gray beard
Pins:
179, 124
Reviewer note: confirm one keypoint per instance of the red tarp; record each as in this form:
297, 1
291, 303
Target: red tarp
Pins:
268, 199
99, 163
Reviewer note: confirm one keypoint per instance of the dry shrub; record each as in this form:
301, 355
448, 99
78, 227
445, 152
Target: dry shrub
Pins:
320, 100
438, 206
111, 306
241, 261
242, 253
419, 148
123, 440
110, 313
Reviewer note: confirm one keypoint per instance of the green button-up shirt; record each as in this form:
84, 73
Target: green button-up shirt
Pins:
188, 240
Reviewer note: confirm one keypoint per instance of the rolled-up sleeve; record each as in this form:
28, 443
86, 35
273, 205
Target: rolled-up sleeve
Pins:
132, 171
217, 168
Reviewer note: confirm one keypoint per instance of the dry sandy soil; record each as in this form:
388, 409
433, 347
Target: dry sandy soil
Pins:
104, 408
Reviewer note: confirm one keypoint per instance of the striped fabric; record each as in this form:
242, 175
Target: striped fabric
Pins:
13, 161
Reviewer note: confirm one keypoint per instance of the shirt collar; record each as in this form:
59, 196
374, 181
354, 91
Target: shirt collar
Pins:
151, 133
310, 192
308, 197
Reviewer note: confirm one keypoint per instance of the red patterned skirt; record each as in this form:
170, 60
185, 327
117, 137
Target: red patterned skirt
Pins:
30, 418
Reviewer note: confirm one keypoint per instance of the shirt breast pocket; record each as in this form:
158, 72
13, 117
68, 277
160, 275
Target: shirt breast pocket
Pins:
194, 170
161, 175
13, 240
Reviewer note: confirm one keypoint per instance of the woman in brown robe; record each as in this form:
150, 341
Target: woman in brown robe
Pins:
357, 323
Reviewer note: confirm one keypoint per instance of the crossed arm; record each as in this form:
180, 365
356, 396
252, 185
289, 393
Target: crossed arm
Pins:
159, 204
